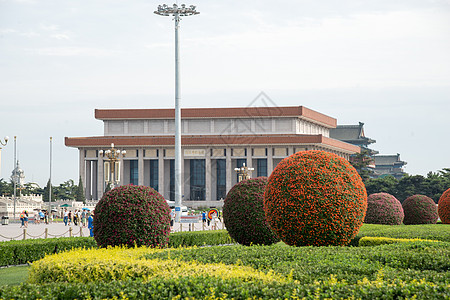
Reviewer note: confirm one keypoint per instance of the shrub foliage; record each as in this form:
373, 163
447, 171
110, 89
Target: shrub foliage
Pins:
315, 198
243, 213
383, 208
132, 215
444, 207
419, 209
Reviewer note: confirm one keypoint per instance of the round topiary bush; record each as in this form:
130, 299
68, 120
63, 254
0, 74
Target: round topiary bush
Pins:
243, 213
419, 209
129, 215
383, 208
444, 207
315, 198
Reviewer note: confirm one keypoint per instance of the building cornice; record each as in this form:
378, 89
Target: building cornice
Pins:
211, 140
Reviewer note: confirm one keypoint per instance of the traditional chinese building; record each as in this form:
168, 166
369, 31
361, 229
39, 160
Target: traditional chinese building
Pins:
214, 142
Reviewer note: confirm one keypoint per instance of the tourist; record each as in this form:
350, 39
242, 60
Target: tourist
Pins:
66, 216
91, 224
25, 219
172, 218
22, 217
36, 217
70, 217
83, 218
204, 217
75, 217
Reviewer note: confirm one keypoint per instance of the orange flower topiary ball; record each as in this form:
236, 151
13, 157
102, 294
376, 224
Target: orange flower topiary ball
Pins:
444, 207
315, 198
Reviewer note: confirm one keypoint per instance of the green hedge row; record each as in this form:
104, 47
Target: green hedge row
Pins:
436, 232
24, 251
415, 270
199, 238
376, 241
217, 288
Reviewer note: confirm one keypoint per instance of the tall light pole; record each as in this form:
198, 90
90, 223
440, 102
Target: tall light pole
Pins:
15, 177
177, 12
50, 180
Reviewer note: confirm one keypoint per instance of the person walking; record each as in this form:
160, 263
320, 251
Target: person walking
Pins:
75, 217
66, 217
22, 217
83, 218
25, 219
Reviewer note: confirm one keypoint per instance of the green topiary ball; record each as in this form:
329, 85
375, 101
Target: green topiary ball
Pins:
383, 208
315, 198
243, 213
444, 207
419, 209
132, 215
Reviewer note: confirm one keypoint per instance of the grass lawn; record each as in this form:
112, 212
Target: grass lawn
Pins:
13, 275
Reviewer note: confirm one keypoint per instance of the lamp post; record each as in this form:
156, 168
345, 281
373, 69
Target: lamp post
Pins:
244, 172
177, 12
112, 165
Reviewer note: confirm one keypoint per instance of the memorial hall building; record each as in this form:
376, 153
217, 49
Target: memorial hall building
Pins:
214, 142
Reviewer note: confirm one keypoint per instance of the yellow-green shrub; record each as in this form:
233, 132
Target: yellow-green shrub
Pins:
375, 241
118, 263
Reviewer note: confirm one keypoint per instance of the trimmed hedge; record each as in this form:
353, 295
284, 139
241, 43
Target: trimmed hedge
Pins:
396, 271
22, 252
419, 209
315, 198
444, 207
132, 215
25, 251
437, 232
243, 213
383, 208
199, 238
376, 241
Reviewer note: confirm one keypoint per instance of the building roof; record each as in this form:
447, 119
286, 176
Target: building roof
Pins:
229, 112
215, 140
351, 134
389, 160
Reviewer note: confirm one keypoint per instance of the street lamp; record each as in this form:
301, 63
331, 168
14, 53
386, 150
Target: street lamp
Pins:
177, 12
112, 165
244, 172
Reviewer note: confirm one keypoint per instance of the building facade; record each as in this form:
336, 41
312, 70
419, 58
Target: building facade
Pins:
215, 141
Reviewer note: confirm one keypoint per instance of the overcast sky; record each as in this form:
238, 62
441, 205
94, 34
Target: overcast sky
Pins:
385, 63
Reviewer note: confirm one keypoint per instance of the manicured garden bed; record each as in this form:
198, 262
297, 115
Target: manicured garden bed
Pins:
418, 269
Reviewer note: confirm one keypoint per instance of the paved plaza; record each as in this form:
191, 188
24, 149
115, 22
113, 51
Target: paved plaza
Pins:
13, 231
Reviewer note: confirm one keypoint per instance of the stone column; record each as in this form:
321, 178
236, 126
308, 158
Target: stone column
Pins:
100, 177
229, 168
269, 161
88, 180
82, 168
208, 175
140, 166
161, 171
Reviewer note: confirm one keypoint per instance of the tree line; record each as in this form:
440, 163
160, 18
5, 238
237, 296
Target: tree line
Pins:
66, 190
432, 185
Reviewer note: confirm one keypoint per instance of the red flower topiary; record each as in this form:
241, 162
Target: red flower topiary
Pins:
315, 198
419, 209
132, 215
383, 208
444, 207
243, 213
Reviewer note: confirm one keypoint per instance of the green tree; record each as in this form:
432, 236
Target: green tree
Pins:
46, 192
387, 184
360, 162
6, 188
80, 192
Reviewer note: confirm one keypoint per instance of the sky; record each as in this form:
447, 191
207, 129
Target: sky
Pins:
384, 63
